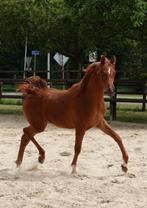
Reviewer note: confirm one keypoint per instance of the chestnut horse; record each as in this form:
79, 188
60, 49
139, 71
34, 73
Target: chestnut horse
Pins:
81, 107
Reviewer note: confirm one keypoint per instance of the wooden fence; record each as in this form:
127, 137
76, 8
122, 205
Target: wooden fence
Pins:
137, 88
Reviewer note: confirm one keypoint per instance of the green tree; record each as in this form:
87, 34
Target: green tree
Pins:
71, 27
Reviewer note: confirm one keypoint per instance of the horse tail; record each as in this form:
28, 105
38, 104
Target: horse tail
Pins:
25, 89
32, 84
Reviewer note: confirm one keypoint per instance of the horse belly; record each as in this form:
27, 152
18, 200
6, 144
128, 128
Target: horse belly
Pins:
61, 121
61, 117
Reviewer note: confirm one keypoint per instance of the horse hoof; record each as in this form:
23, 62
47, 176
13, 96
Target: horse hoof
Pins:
17, 164
74, 171
124, 168
41, 160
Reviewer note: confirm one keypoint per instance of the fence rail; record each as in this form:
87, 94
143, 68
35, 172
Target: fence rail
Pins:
139, 88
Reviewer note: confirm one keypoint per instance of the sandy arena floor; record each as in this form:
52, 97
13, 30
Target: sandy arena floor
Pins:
100, 183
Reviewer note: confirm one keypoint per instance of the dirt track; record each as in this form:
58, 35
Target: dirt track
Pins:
100, 183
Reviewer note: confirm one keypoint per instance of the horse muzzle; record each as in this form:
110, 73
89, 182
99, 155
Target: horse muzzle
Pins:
111, 91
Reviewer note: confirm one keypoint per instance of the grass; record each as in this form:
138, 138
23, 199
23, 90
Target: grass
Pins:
9, 87
11, 101
10, 106
132, 113
132, 116
10, 109
125, 112
129, 113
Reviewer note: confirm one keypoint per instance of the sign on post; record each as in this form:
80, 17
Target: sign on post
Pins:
92, 56
35, 53
61, 60
28, 63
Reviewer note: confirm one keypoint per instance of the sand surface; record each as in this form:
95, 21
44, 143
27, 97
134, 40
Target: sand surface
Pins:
100, 183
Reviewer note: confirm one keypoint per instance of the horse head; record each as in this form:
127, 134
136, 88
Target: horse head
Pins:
103, 72
106, 70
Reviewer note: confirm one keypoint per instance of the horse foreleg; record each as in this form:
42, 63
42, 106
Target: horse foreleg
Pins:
77, 149
105, 127
24, 141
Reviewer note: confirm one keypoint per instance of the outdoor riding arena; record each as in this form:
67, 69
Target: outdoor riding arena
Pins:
100, 182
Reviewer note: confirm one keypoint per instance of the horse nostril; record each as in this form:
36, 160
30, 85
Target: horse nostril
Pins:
111, 91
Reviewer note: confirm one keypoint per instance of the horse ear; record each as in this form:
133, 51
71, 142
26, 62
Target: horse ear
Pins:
113, 60
103, 59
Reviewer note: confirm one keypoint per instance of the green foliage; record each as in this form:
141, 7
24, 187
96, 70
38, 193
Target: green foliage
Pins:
9, 88
73, 27
143, 76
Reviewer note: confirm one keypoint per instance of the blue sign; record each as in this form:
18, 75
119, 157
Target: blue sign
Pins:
35, 53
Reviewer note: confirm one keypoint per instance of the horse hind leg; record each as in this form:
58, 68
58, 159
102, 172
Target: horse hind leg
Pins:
28, 136
41, 157
104, 126
25, 139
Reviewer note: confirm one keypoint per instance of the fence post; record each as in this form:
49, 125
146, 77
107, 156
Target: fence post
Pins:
68, 78
144, 98
1, 89
113, 107
143, 103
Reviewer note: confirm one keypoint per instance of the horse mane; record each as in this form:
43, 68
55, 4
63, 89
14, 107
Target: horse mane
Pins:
89, 71
32, 84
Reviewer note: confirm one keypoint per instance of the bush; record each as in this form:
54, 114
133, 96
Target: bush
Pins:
143, 76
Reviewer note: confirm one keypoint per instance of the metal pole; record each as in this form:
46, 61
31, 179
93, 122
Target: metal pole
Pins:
63, 72
62, 69
48, 68
34, 72
25, 58
63, 77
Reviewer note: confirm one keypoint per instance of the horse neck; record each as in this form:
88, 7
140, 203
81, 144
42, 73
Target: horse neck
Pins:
92, 90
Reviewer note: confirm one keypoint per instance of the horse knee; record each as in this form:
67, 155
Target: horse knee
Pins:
26, 137
25, 140
29, 131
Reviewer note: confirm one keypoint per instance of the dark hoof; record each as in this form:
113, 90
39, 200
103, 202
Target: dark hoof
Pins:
124, 168
41, 160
